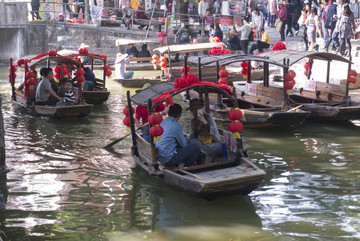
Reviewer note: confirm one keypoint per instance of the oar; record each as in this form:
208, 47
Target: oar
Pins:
122, 138
295, 108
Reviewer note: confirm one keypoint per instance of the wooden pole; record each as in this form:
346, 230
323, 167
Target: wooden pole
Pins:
185, 66
248, 77
199, 68
347, 86
2, 137
152, 15
207, 106
132, 125
328, 72
104, 76
87, 12
310, 68
266, 74
12, 79
217, 71
154, 154
219, 96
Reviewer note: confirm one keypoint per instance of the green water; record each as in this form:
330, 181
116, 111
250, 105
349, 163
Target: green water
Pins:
63, 186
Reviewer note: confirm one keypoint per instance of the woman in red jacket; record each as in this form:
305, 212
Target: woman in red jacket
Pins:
282, 17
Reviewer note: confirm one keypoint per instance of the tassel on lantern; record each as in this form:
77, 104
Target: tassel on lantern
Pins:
351, 78
155, 61
163, 62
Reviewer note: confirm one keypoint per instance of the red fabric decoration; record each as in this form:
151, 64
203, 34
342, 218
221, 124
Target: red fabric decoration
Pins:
223, 81
218, 51
52, 53
215, 40
169, 100
192, 79
279, 46
181, 83
126, 121
20, 62
235, 127
183, 69
83, 51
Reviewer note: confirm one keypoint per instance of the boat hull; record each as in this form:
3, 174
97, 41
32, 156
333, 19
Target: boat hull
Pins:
136, 83
95, 97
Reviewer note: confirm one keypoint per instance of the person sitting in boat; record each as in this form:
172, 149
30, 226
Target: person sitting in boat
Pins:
173, 148
131, 51
69, 98
120, 67
142, 115
204, 132
45, 95
90, 80
144, 52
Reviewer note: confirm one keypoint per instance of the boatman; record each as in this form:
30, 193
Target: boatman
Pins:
204, 132
173, 148
45, 95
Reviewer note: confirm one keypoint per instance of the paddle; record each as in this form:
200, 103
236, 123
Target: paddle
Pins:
122, 138
295, 108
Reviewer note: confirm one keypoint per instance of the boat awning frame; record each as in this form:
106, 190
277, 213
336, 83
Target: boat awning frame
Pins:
188, 48
57, 59
142, 97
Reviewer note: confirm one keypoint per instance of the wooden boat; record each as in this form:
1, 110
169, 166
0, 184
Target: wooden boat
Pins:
52, 111
326, 101
137, 83
100, 94
236, 175
262, 105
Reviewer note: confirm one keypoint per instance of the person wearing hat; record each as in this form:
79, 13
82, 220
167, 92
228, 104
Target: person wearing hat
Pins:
234, 41
204, 132
261, 44
282, 17
60, 18
120, 67
173, 148
183, 36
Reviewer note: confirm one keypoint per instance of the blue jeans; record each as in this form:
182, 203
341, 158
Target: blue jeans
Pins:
333, 36
145, 133
88, 85
128, 75
189, 155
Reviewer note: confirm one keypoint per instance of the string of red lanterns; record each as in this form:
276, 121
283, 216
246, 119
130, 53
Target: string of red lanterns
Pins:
156, 130
235, 126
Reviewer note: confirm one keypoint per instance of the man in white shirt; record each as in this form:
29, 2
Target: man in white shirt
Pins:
203, 6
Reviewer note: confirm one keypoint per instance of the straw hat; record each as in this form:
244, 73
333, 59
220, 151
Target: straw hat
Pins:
120, 57
146, 85
195, 104
281, 3
233, 31
83, 45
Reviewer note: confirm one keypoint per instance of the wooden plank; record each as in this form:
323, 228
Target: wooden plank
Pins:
272, 92
141, 59
322, 96
331, 88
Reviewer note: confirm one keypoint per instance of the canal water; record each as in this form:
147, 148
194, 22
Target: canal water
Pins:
63, 185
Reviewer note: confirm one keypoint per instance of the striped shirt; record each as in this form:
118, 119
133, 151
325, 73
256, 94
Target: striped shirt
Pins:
69, 96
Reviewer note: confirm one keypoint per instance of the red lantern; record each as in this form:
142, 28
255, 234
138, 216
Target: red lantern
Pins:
80, 71
65, 72
14, 76
57, 75
163, 65
351, 73
235, 114
307, 65
126, 121
126, 111
106, 67
223, 81
223, 74
64, 66
244, 64
20, 62
31, 82
235, 127
31, 74
52, 53
15, 69
163, 59
351, 80
244, 71
156, 132
108, 73
155, 57
57, 69
292, 73
80, 79
154, 62
155, 119
183, 69
288, 77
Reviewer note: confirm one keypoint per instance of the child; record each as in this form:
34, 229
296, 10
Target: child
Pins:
69, 98
195, 40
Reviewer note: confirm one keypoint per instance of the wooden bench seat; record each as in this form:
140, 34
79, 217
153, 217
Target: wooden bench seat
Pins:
265, 96
325, 92
142, 59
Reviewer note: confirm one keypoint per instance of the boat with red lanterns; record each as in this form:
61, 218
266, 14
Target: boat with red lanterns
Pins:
263, 103
24, 95
327, 99
99, 94
232, 173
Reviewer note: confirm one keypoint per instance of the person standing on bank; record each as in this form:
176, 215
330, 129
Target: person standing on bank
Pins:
65, 6
257, 21
282, 17
202, 7
204, 132
312, 23
261, 44
45, 95
347, 29
173, 148
245, 32
183, 36
35, 5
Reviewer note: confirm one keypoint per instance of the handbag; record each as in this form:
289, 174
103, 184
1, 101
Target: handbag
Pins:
278, 25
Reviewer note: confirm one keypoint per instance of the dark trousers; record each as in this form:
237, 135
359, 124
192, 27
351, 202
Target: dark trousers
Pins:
51, 101
189, 155
343, 45
65, 6
282, 30
334, 36
305, 38
81, 6
289, 24
259, 46
35, 12
294, 21
244, 45
177, 55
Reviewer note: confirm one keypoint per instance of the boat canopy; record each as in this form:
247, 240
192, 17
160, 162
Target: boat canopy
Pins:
74, 53
226, 59
142, 97
295, 56
188, 48
57, 59
125, 41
